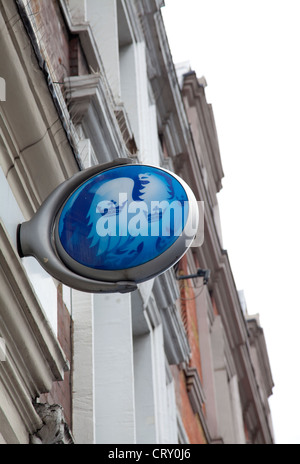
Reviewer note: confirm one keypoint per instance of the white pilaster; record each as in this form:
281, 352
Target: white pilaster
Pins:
144, 390
103, 18
134, 91
223, 394
237, 412
204, 310
83, 368
114, 377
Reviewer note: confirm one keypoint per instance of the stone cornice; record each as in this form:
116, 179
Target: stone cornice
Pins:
257, 340
195, 94
106, 125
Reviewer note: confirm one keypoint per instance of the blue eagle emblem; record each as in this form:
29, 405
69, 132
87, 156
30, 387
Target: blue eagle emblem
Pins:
123, 217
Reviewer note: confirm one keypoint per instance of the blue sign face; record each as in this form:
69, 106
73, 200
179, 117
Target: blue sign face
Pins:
123, 217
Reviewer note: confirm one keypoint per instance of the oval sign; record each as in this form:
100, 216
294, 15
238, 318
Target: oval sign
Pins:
129, 222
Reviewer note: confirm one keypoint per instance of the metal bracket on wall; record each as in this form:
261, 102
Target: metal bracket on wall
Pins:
205, 273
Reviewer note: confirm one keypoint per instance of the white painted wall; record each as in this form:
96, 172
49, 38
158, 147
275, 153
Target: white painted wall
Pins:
135, 95
114, 371
165, 412
144, 390
129, 90
77, 10
103, 18
156, 418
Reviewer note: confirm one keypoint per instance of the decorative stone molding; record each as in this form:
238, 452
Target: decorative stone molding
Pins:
106, 126
196, 396
54, 430
260, 357
125, 129
194, 388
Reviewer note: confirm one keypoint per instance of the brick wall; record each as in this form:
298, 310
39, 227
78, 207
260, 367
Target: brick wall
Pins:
61, 49
191, 420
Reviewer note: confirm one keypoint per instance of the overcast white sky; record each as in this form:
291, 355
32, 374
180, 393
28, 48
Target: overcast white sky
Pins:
249, 53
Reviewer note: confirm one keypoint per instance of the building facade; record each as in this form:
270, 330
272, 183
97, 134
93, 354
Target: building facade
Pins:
176, 361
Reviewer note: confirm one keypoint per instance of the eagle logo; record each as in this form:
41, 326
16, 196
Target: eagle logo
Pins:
123, 217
